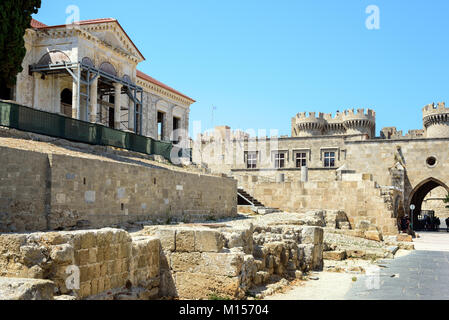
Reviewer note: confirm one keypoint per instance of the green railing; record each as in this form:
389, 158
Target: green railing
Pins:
54, 125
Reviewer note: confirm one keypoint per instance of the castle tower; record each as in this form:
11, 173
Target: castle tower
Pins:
303, 126
436, 120
334, 125
360, 122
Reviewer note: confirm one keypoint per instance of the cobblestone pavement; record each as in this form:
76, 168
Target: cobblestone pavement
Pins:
421, 275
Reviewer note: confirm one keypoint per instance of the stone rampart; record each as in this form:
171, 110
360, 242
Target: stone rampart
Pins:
46, 192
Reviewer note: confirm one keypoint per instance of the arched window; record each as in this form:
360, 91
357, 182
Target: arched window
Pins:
53, 57
88, 62
108, 68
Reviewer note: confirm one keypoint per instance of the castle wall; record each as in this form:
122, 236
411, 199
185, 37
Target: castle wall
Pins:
438, 130
96, 193
229, 156
360, 200
102, 261
377, 157
23, 197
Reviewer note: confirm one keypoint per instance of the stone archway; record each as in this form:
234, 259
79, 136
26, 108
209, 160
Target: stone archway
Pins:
420, 192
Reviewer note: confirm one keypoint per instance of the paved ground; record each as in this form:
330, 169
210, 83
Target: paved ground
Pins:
416, 275
330, 286
433, 241
421, 275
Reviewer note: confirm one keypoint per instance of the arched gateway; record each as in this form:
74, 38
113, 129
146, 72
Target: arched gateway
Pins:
421, 191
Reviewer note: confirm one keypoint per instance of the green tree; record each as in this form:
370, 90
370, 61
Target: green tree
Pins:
15, 18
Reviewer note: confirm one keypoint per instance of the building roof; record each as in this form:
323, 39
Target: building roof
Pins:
39, 25
146, 77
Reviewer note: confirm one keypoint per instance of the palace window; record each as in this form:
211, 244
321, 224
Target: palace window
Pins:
251, 160
279, 160
301, 159
329, 159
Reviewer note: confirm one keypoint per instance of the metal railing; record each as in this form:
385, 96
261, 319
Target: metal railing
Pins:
50, 124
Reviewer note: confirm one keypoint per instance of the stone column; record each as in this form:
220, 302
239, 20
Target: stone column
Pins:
168, 130
94, 101
152, 118
131, 115
75, 107
117, 99
186, 126
36, 77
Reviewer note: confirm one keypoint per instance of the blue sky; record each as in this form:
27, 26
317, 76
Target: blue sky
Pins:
261, 62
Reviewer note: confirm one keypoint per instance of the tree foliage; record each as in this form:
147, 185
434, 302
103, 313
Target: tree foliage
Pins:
15, 18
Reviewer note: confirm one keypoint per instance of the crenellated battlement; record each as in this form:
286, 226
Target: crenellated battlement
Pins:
360, 114
360, 121
309, 117
432, 109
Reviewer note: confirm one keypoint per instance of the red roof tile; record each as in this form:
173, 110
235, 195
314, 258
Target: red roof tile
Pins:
36, 24
146, 77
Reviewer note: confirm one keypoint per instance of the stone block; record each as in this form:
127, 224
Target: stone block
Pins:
194, 286
88, 240
63, 253
208, 241
357, 254
185, 240
167, 237
374, 235
224, 264
338, 255
83, 257
404, 238
85, 290
93, 255
312, 235
26, 289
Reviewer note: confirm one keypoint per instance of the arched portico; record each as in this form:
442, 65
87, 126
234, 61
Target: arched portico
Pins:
420, 192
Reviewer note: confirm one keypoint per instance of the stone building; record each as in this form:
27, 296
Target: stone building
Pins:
330, 162
88, 71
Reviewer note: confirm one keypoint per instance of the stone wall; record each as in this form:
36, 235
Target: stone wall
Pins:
24, 176
228, 261
41, 192
378, 157
223, 154
105, 260
361, 200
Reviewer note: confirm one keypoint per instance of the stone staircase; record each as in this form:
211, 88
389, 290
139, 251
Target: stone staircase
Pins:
244, 198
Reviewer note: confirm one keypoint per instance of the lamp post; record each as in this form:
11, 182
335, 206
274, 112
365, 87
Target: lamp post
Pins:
412, 208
